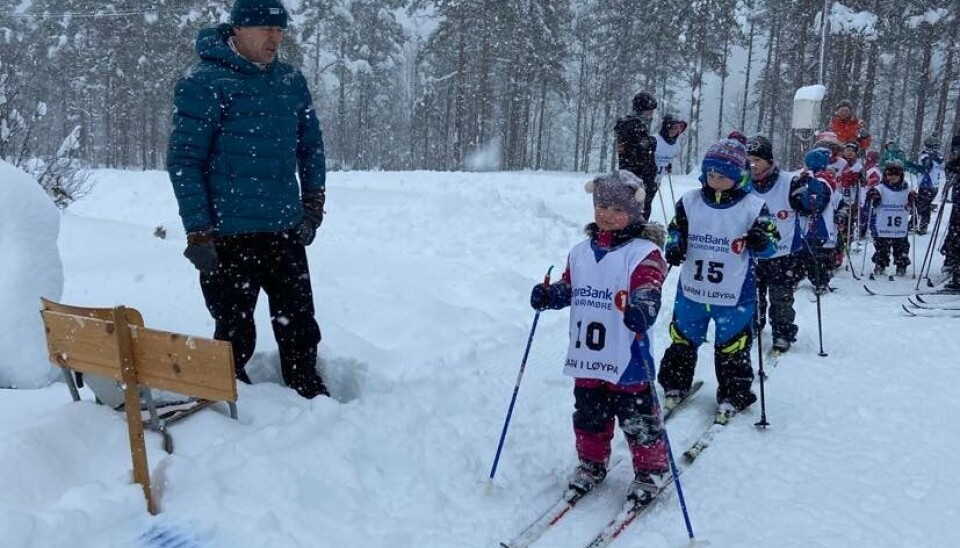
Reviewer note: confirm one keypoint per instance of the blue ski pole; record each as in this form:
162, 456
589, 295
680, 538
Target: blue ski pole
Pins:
516, 388
673, 465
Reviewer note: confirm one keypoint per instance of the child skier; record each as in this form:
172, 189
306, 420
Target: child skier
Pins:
892, 200
671, 129
776, 276
932, 174
815, 205
871, 178
612, 284
717, 232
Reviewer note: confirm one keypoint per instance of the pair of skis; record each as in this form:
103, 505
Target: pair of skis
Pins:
629, 511
925, 303
921, 308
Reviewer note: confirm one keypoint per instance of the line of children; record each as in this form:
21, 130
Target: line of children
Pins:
891, 202
777, 275
612, 285
716, 234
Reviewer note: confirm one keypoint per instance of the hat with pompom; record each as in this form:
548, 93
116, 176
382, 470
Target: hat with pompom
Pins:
258, 13
621, 189
727, 157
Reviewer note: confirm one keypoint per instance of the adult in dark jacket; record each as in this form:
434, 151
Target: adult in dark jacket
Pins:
951, 243
244, 129
636, 148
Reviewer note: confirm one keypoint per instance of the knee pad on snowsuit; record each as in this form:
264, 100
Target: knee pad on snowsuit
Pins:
638, 417
734, 370
679, 362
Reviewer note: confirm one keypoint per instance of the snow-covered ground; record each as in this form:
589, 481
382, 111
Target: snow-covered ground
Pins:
421, 284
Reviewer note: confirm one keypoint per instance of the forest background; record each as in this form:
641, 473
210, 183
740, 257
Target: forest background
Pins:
481, 84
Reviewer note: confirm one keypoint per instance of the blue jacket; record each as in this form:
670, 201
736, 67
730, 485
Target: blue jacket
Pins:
241, 136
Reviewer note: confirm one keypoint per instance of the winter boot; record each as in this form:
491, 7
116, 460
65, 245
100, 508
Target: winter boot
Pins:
726, 411
954, 283
672, 398
901, 270
879, 270
781, 344
588, 475
647, 485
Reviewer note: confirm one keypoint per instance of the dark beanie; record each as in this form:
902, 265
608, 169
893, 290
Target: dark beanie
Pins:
760, 147
258, 13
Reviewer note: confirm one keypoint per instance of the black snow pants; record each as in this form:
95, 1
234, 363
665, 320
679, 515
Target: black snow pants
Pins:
277, 264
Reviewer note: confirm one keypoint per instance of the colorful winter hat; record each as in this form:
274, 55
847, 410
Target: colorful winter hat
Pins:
817, 159
727, 157
619, 188
258, 13
739, 137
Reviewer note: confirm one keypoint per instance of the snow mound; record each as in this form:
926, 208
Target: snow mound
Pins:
29, 225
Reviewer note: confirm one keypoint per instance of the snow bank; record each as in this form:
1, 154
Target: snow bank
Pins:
29, 224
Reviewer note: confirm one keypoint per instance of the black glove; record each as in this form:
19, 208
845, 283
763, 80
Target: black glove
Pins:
757, 239
540, 297
312, 217
669, 168
676, 255
201, 251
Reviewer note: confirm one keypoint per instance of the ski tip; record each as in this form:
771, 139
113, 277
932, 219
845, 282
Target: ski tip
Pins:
868, 290
907, 310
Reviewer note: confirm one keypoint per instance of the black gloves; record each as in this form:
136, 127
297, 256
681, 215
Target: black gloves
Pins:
201, 251
677, 253
757, 239
540, 297
312, 217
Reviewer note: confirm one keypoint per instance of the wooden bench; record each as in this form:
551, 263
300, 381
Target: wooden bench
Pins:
113, 343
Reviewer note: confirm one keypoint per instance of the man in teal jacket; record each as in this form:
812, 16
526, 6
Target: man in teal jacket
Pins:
244, 129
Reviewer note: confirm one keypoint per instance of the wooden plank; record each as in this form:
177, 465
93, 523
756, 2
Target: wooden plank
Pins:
133, 315
82, 344
194, 366
131, 404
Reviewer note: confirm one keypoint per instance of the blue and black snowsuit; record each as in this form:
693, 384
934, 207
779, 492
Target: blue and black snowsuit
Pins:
733, 324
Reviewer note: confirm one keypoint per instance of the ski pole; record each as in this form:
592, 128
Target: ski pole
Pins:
516, 388
663, 207
913, 245
866, 245
673, 199
816, 271
762, 423
931, 245
666, 441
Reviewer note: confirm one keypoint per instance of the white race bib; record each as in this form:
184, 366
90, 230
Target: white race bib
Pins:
599, 341
717, 259
892, 213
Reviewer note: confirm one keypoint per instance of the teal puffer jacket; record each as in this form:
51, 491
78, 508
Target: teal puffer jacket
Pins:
241, 135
